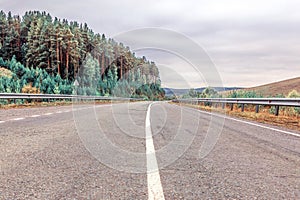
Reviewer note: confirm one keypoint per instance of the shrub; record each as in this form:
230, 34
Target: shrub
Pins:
290, 111
5, 72
244, 94
294, 94
29, 89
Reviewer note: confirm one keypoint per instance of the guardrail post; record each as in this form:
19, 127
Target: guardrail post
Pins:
243, 107
276, 110
223, 106
257, 109
231, 107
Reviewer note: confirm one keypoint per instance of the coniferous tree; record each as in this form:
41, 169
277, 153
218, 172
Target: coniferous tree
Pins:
38, 49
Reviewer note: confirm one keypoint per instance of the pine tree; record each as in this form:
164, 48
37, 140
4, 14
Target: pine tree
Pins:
3, 30
49, 48
2, 88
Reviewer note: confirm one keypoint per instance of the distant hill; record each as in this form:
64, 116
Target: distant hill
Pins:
179, 92
271, 89
281, 87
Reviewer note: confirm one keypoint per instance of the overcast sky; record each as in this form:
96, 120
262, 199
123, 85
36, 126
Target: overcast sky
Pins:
251, 42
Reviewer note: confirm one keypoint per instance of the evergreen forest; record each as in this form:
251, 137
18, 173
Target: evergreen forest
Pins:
42, 54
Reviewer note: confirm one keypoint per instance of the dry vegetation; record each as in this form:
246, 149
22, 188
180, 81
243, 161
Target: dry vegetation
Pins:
29, 89
280, 88
5, 72
289, 117
277, 88
285, 118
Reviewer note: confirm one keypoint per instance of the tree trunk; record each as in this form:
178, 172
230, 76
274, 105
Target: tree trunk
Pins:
61, 56
48, 67
102, 65
67, 63
121, 67
57, 55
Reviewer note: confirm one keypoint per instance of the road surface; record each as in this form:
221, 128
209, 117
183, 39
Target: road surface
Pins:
102, 152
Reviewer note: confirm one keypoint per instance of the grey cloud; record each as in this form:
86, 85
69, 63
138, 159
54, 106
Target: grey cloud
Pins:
251, 42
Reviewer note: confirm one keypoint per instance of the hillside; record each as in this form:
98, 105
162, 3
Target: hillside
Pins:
277, 88
179, 92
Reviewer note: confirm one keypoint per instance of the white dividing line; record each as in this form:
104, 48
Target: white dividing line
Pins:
266, 127
33, 116
17, 119
104, 105
249, 123
155, 190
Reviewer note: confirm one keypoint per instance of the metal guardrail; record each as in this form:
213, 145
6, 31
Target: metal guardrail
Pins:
277, 102
62, 96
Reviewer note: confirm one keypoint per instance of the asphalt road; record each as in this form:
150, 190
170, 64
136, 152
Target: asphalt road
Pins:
102, 152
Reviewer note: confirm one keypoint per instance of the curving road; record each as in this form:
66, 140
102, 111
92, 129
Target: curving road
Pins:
102, 152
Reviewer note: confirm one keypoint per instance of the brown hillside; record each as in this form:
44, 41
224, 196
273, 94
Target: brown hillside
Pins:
281, 87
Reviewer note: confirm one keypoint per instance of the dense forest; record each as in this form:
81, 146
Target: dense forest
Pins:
44, 55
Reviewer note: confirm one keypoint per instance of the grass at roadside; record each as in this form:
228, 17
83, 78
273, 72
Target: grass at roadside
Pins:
283, 120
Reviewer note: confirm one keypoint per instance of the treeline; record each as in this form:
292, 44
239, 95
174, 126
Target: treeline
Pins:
66, 50
18, 78
212, 93
290, 111
208, 92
